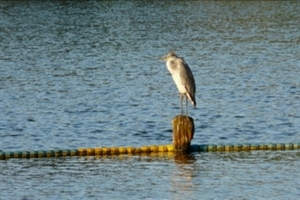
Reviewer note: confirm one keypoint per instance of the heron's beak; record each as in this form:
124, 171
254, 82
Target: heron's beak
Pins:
163, 58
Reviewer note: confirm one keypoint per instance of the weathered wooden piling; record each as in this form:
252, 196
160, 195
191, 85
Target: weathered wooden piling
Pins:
183, 132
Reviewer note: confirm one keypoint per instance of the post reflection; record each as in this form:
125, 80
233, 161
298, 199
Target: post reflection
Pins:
184, 158
182, 176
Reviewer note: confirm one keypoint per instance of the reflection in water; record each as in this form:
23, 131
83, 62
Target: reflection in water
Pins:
182, 175
183, 158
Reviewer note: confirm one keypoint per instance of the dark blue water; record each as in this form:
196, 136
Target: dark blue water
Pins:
87, 74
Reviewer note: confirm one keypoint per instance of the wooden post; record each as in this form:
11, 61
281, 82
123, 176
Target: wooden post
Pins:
183, 132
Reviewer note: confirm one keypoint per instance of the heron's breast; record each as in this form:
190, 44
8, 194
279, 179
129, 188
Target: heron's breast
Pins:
180, 86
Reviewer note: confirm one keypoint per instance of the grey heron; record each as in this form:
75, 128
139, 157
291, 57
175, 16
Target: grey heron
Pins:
183, 78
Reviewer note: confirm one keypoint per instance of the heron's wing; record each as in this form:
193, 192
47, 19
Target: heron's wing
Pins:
188, 80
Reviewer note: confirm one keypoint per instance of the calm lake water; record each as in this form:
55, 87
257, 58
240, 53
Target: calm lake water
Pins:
87, 74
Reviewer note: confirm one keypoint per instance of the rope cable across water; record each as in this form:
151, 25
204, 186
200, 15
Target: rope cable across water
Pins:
103, 151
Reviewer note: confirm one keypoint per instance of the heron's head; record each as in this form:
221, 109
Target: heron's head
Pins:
169, 55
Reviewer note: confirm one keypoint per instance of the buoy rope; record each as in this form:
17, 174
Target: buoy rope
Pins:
102, 151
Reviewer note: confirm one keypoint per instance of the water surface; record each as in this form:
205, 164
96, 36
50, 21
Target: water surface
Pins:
86, 74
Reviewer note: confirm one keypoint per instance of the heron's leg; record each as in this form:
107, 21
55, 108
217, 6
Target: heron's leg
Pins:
186, 105
181, 98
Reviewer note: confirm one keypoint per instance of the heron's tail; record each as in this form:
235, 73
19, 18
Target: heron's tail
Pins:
192, 99
194, 102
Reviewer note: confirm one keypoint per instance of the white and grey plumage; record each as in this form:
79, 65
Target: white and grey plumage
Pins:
183, 78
